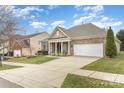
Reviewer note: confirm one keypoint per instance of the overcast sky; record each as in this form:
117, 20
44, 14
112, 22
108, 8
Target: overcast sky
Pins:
45, 18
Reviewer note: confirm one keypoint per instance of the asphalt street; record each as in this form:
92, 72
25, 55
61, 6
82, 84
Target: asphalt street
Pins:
7, 84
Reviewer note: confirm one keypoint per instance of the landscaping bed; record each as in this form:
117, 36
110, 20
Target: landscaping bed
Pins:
111, 65
31, 60
76, 81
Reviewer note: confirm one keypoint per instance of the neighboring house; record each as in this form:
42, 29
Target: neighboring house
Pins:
3, 44
80, 40
35, 41
21, 47
3, 48
28, 45
44, 44
122, 47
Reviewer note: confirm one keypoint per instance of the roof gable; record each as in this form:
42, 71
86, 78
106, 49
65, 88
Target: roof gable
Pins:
16, 46
58, 33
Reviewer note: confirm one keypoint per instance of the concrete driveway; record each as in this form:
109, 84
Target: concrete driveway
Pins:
49, 74
7, 84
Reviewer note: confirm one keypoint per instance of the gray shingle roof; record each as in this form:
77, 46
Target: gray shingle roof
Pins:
29, 36
19, 37
84, 30
26, 36
22, 40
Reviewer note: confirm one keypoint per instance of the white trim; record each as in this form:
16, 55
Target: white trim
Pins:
59, 30
56, 48
59, 40
64, 33
69, 47
61, 47
49, 48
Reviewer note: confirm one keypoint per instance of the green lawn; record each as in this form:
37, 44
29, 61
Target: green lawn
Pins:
75, 81
32, 60
5, 67
114, 65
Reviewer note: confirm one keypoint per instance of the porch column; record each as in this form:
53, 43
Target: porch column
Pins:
68, 47
56, 48
49, 48
61, 47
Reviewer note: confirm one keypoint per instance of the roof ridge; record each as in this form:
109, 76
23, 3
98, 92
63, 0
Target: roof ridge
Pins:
34, 34
80, 25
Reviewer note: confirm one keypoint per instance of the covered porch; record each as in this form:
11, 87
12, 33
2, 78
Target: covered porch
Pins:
59, 48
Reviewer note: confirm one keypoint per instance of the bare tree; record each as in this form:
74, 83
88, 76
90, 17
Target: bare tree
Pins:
8, 26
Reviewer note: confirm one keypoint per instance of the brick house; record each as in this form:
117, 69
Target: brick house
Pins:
80, 40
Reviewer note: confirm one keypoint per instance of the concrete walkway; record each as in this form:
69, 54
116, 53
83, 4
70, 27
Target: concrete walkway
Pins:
49, 74
118, 78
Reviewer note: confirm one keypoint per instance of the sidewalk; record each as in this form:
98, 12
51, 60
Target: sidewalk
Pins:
117, 78
19, 64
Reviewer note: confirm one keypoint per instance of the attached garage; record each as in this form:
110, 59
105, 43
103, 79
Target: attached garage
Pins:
94, 50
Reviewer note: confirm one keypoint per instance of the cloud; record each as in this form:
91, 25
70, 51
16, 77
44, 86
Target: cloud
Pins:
117, 23
86, 8
98, 8
55, 23
95, 15
82, 20
52, 7
24, 12
78, 7
106, 21
32, 16
106, 24
9, 7
89, 13
93, 9
75, 15
104, 18
37, 24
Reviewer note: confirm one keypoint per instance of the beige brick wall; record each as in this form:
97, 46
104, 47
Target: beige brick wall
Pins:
35, 42
118, 46
25, 51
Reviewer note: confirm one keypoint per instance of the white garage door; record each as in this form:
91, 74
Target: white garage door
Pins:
17, 53
95, 50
